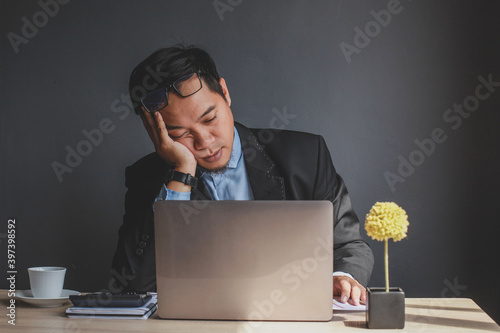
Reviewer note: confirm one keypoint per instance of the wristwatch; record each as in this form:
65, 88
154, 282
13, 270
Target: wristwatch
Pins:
185, 178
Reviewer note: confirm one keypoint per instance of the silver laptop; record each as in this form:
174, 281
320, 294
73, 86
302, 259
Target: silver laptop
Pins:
244, 260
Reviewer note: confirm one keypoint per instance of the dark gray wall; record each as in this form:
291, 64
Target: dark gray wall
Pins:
393, 90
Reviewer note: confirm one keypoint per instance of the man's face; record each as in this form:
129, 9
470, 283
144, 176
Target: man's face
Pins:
204, 123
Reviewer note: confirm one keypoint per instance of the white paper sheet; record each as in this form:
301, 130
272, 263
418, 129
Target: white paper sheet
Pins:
338, 305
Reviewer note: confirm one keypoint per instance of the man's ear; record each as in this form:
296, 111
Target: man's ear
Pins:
225, 91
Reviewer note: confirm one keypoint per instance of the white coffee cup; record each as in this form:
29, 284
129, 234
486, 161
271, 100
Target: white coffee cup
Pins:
47, 281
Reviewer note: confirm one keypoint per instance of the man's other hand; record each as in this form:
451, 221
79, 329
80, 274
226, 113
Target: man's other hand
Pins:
348, 288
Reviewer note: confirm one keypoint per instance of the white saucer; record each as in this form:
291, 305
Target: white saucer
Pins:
27, 296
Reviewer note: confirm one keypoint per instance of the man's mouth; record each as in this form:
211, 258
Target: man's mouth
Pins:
214, 157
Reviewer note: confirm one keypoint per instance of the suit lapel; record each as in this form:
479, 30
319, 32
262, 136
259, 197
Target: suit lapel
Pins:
265, 182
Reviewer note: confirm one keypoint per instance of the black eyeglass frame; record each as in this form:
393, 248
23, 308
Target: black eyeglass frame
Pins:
173, 86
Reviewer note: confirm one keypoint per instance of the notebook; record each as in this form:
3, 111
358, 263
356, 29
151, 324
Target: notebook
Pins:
244, 260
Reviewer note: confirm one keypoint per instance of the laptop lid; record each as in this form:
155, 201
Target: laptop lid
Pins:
244, 260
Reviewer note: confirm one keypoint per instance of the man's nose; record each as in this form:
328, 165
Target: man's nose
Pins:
203, 140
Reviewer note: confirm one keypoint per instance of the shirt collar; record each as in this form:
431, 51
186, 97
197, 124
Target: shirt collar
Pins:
236, 152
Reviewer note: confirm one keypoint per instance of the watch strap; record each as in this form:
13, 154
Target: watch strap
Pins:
185, 178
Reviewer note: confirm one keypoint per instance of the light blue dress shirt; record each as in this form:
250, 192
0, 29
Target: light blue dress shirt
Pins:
232, 184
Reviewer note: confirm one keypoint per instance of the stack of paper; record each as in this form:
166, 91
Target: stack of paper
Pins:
142, 312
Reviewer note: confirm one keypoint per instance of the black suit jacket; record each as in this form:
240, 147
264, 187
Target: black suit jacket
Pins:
281, 165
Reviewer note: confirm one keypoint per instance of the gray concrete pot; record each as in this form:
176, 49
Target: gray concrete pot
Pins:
385, 309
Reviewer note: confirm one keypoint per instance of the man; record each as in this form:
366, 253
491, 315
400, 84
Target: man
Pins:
201, 153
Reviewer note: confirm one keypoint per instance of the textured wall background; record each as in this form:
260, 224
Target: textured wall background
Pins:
378, 79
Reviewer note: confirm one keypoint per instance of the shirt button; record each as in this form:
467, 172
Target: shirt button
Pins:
139, 252
145, 238
142, 245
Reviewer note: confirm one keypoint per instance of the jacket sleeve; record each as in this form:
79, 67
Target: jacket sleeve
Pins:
134, 259
351, 254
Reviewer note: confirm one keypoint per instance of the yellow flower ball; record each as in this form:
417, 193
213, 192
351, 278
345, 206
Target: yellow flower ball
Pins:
386, 220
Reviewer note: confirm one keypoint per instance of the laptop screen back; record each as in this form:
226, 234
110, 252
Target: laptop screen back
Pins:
244, 260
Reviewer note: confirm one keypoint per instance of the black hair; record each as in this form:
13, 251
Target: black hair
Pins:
168, 64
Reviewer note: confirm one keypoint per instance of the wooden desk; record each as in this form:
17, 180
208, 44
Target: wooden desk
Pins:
422, 315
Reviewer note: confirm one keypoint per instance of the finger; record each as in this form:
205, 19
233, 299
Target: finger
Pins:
165, 143
161, 129
345, 291
150, 124
363, 296
355, 294
147, 117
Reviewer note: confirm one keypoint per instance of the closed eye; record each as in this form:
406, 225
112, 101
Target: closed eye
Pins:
210, 120
173, 137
